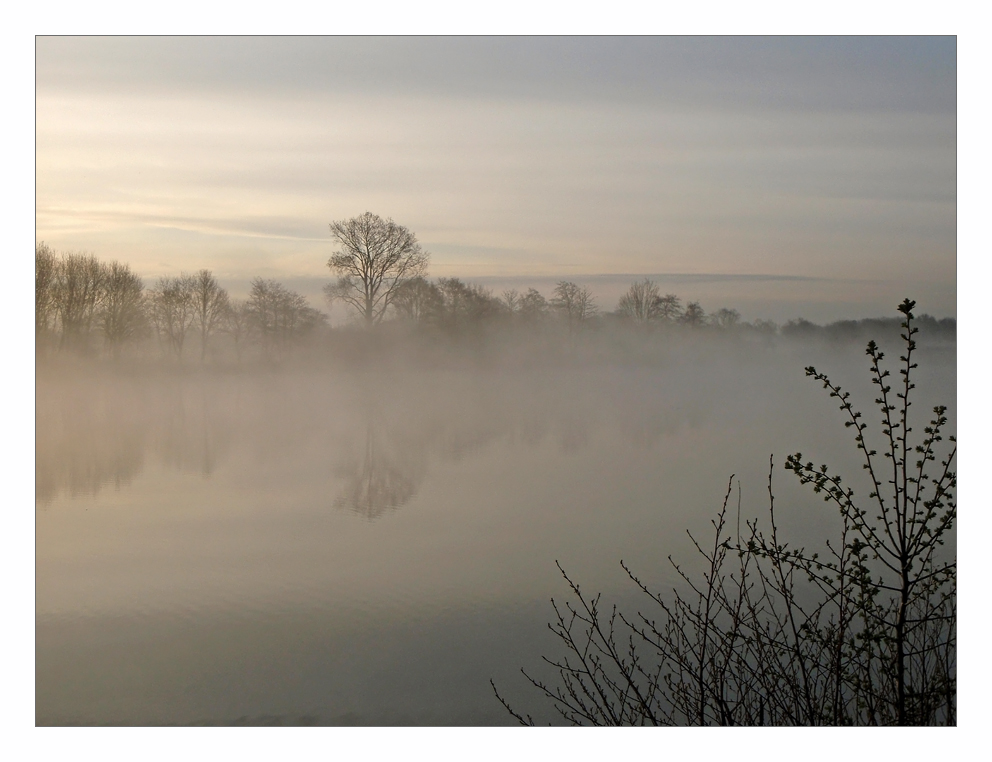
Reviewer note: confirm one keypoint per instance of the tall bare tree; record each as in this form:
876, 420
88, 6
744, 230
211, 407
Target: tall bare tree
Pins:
173, 310
78, 291
575, 303
45, 273
375, 257
641, 303
210, 307
122, 314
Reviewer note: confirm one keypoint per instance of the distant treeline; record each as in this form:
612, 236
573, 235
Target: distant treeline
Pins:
91, 307
868, 328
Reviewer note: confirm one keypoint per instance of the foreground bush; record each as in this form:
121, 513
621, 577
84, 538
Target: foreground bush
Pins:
861, 633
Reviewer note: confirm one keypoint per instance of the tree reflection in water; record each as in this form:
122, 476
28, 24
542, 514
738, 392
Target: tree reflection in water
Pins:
96, 432
379, 436
389, 474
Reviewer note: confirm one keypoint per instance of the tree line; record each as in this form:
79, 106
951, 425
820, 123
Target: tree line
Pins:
85, 305
382, 269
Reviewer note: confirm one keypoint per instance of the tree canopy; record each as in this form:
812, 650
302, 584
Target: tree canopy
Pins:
375, 258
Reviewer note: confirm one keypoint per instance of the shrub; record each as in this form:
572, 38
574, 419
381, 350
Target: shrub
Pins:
862, 633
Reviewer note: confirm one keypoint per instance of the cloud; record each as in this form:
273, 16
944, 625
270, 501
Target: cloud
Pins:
819, 73
789, 156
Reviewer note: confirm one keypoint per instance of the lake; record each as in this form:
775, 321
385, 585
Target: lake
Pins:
370, 544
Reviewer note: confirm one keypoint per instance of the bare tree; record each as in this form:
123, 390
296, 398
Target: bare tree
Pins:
641, 302
122, 314
238, 324
279, 316
533, 306
416, 299
726, 318
511, 298
463, 303
765, 326
575, 303
173, 310
694, 315
375, 257
45, 275
210, 306
669, 308
78, 290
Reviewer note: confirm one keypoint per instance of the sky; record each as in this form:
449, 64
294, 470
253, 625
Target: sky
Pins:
782, 176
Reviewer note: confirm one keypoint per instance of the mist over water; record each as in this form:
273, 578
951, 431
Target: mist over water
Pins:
291, 468
368, 542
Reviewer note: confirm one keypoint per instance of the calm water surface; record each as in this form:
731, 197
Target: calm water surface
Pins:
371, 547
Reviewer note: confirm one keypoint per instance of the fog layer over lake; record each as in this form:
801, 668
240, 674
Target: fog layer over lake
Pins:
370, 543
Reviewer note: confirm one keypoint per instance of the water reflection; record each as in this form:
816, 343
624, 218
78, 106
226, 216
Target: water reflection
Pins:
83, 463
388, 457
96, 432
376, 437
387, 476
193, 435
232, 587
86, 439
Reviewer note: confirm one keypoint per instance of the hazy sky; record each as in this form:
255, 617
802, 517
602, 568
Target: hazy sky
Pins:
826, 163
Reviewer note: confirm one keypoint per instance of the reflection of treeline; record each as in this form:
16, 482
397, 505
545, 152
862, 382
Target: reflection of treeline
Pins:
82, 304
96, 428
